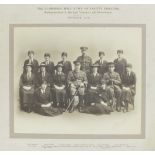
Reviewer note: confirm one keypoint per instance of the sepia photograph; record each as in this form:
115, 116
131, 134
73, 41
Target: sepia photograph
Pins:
77, 77
77, 81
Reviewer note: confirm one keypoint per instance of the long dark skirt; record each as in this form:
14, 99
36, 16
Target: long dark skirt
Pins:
48, 111
92, 96
97, 109
128, 95
26, 99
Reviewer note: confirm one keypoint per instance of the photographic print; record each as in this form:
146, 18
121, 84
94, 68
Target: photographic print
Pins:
71, 81
77, 77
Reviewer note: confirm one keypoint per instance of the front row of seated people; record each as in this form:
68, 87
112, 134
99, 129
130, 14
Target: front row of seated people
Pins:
51, 95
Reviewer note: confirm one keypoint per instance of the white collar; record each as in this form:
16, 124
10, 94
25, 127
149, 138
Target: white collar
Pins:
43, 91
95, 74
119, 58
29, 73
31, 59
47, 62
101, 60
59, 73
128, 73
64, 61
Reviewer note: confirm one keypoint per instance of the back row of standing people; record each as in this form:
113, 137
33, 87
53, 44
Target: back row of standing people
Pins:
85, 60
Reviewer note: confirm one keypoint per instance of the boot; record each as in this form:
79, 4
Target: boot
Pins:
81, 104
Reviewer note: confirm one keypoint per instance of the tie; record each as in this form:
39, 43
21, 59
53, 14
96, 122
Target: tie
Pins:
30, 61
28, 76
47, 63
43, 91
43, 74
128, 74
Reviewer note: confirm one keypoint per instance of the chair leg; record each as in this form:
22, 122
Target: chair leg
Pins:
133, 103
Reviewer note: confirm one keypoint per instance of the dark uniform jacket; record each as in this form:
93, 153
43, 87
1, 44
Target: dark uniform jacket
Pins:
74, 76
50, 67
129, 80
59, 80
94, 81
43, 98
34, 64
102, 66
67, 67
120, 66
41, 78
24, 81
27, 96
86, 62
108, 77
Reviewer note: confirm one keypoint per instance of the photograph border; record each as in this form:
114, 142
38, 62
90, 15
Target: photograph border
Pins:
75, 136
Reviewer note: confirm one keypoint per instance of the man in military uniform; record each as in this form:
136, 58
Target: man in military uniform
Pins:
31, 61
120, 63
85, 60
67, 66
77, 81
102, 63
113, 81
43, 75
49, 64
128, 87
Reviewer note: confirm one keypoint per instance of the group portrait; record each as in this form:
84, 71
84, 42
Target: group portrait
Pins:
99, 87
77, 80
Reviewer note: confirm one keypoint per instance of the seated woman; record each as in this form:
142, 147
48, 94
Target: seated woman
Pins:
98, 103
94, 85
59, 87
43, 75
44, 101
128, 87
27, 87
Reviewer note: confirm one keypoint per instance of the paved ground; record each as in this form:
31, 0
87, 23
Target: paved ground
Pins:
79, 123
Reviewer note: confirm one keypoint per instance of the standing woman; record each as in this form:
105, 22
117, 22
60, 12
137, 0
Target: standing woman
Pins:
120, 64
49, 64
31, 61
43, 75
102, 63
27, 87
67, 67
